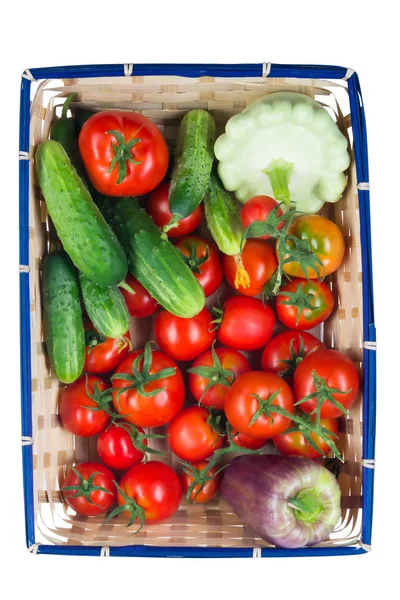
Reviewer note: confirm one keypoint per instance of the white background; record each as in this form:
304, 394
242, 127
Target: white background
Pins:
361, 35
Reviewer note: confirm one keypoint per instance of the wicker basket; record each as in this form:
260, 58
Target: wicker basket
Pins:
164, 93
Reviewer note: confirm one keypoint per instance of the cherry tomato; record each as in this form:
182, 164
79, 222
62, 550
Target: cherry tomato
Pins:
259, 260
295, 444
250, 402
212, 373
202, 258
303, 304
77, 401
191, 435
139, 304
246, 324
121, 445
248, 441
103, 354
204, 486
258, 208
184, 339
157, 206
286, 350
81, 489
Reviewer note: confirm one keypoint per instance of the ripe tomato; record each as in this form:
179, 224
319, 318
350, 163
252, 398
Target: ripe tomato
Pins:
124, 153
121, 445
258, 208
248, 441
191, 434
212, 373
81, 489
246, 324
150, 492
103, 354
139, 304
250, 402
201, 486
286, 350
202, 258
148, 388
184, 339
295, 443
303, 304
321, 236
326, 381
157, 206
78, 399
259, 260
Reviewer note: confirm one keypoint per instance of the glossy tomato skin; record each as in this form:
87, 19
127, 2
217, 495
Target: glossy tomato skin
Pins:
97, 151
184, 339
74, 415
139, 304
337, 370
259, 260
258, 208
102, 499
230, 359
246, 323
190, 435
155, 487
295, 444
116, 450
157, 206
325, 239
241, 404
210, 488
248, 441
150, 411
318, 295
277, 351
211, 274
103, 354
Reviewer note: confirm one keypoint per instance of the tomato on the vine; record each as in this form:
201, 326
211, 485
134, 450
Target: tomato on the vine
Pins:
184, 339
194, 433
259, 260
258, 208
245, 323
202, 258
297, 443
103, 354
200, 484
140, 303
303, 304
122, 445
157, 206
89, 489
285, 351
85, 405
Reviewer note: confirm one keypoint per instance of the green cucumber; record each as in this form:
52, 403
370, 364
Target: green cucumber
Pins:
193, 164
105, 307
82, 229
154, 261
62, 312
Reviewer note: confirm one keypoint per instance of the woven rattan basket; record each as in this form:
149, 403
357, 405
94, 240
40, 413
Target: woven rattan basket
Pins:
164, 93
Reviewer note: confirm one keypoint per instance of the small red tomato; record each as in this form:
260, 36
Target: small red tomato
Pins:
303, 304
122, 445
200, 485
157, 206
295, 444
184, 339
246, 324
139, 304
248, 441
213, 372
285, 352
89, 489
257, 209
191, 434
77, 401
202, 258
104, 354
260, 263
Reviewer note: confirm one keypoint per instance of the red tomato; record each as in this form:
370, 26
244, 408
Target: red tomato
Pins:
246, 324
248, 441
285, 351
81, 489
103, 354
121, 445
295, 444
139, 304
257, 209
191, 435
212, 373
154, 386
202, 258
331, 378
124, 153
259, 260
184, 339
157, 206
203, 486
303, 304
150, 492
250, 402
77, 400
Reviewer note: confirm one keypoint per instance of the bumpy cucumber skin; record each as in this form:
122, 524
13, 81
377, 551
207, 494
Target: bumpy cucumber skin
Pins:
154, 261
223, 217
86, 237
62, 312
105, 307
193, 162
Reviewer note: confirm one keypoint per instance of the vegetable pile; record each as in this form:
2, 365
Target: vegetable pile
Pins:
232, 372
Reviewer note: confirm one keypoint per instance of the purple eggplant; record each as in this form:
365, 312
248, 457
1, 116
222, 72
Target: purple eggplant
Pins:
290, 502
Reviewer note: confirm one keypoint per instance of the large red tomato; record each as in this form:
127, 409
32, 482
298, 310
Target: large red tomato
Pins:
139, 304
122, 445
184, 339
202, 258
193, 434
148, 388
84, 405
104, 354
294, 443
124, 153
286, 350
89, 489
200, 484
245, 323
157, 206
259, 260
303, 304
258, 208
